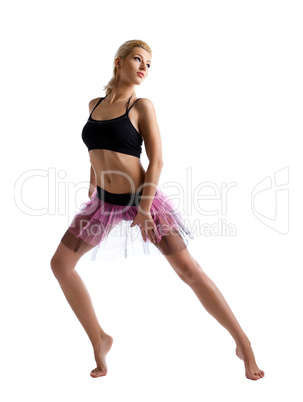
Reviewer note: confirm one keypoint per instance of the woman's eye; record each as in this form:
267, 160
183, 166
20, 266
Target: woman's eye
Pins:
139, 60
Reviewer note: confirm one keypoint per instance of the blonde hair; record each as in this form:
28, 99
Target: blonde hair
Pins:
122, 52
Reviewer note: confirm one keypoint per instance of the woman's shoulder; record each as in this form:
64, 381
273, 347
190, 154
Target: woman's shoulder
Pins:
92, 103
145, 100
145, 104
145, 107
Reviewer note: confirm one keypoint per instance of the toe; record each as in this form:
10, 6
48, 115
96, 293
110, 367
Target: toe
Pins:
98, 372
252, 376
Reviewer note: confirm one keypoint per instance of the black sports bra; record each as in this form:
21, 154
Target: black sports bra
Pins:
116, 134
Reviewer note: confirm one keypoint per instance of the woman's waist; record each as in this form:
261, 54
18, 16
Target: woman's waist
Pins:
119, 180
129, 198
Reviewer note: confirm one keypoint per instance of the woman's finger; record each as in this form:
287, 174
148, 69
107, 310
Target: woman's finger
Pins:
152, 235
155, 231
150, 231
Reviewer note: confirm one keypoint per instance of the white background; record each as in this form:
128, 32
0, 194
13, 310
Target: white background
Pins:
226, 83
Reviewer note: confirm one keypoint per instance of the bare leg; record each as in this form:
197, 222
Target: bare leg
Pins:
212, 299
63, 266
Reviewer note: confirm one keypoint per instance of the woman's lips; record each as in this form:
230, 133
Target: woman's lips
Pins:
141, 75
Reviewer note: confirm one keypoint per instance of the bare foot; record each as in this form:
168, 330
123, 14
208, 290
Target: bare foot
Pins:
100, 351
246, 354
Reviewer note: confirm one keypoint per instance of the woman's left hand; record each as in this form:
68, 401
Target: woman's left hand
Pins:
147, 226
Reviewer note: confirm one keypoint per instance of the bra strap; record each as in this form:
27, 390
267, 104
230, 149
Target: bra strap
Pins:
132, 105
128, 103
99, 101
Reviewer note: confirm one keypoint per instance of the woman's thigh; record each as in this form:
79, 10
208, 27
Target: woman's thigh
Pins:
68, 253
171, 243
174, 249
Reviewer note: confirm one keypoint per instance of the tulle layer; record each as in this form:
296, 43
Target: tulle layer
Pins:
104, 226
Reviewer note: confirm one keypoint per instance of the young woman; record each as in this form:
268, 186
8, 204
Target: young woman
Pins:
122, 191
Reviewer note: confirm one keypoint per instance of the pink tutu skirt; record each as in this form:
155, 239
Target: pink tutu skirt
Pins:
103, 225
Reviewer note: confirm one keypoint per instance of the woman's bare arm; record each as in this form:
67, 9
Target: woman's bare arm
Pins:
93, 182
153, 145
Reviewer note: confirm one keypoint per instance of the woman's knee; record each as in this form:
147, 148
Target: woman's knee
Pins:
63, 261
186, 267
191, 273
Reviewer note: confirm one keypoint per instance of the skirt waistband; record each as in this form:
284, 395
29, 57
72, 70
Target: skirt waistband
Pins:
132, 199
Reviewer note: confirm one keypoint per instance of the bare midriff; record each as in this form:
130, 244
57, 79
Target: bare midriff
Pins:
117, 172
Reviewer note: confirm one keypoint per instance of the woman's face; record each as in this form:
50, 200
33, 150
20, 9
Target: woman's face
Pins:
134, 68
